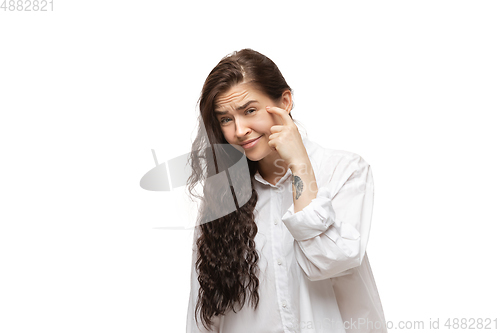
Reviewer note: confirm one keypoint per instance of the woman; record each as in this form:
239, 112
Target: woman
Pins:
292, 258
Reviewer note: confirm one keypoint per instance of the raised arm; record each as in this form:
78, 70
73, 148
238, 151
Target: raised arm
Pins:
331, 232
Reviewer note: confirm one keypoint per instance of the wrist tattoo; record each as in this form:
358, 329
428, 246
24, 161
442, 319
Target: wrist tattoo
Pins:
298, 186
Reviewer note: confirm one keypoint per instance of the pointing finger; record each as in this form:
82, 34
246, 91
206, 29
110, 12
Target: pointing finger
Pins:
282, 113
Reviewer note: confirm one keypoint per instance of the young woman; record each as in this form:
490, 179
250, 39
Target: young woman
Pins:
293, 257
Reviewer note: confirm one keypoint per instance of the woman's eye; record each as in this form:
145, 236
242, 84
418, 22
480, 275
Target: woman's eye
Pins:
223, 120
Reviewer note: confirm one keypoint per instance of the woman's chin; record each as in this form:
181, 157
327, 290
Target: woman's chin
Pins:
252, 157
250, 154
258, 155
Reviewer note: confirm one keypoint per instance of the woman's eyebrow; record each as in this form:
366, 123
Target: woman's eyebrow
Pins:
239, 108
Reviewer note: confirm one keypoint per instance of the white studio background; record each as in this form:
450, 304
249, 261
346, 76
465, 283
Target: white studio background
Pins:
88, 89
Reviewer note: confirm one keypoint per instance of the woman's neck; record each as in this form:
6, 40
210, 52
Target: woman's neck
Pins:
272, 167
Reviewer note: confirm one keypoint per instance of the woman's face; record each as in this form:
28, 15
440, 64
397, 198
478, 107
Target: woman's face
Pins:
242, 116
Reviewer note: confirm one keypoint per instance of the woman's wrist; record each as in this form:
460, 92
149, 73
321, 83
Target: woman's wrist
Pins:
304, 184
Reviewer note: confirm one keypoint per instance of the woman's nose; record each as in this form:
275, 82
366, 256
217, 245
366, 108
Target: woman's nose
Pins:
242, 128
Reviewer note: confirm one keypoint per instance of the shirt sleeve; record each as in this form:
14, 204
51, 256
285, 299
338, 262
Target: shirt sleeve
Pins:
191, 325
331, 233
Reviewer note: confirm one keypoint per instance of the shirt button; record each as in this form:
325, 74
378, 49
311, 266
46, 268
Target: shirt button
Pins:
275, 222
279, 262
284, 304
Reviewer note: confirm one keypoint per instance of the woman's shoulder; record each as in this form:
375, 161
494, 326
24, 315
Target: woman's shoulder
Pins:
323, 154
335, 166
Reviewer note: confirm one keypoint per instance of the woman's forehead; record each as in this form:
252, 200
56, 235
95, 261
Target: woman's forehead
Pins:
236, 95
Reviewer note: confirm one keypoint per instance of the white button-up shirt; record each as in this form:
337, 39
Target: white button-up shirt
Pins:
314, 271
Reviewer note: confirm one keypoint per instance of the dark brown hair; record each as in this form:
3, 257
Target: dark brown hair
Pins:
227, 261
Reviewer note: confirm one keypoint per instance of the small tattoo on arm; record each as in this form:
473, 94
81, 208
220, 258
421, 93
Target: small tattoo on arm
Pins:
298, 186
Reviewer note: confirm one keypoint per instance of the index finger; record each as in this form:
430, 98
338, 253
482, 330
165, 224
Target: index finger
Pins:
285, 116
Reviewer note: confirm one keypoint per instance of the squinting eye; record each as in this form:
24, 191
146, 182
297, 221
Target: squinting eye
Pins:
222, 121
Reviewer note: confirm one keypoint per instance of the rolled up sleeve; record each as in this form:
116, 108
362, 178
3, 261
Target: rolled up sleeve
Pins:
331, 233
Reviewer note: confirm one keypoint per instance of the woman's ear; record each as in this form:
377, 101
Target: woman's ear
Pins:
286, 101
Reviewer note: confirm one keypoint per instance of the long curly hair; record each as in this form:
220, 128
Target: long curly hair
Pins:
227, 261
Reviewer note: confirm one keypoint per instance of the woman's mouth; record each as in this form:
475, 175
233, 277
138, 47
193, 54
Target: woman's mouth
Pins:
251, 144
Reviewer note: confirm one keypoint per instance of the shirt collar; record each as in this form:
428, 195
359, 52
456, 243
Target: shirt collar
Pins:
259, 178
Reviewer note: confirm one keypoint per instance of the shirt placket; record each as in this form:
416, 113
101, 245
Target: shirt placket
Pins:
279, 262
